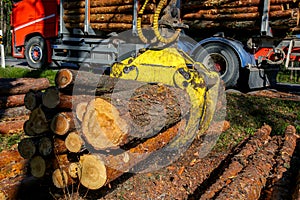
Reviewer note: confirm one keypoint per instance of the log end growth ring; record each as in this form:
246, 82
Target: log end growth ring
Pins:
102, 126
93, 172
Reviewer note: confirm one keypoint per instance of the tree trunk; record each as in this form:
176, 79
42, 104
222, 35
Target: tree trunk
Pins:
12, 101
102, 26
22, 85
128, 115
97, 3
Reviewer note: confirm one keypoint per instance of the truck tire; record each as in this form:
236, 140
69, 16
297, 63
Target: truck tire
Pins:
36, 52
221, 58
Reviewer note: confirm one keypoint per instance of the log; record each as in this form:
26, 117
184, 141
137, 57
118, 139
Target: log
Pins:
62, 123
12, 127
83, 82
37, 166
97, 3
11, 165
107, 18
9, 113
254, 175
239, 161
102, 26
80, 110
33, 99
27, 148
109, 9
108, 168
50, 98
61, 176
37, 123
74, 142
12, 101
150, 109
45, 146
22, 85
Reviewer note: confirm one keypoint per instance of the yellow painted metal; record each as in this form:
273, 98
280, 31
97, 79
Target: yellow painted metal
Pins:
173, 67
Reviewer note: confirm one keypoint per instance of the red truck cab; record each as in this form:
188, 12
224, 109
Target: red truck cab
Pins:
34, 23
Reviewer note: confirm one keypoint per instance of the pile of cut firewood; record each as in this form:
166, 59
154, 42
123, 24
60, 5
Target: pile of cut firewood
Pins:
107, 15
240, 14
91, 128
13, 113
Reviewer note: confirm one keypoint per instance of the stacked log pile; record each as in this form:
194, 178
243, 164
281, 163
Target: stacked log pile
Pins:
97, 142
13, 113
239, 14
105, 15
117, 15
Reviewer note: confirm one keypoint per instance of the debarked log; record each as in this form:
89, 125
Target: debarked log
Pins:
129, 115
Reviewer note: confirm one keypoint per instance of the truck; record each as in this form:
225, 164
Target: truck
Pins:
42, 34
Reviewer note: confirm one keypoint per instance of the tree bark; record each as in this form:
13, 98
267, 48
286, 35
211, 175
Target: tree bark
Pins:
12, 127
12, 101
11, 164
128, 116
9, 113
107, 168
107, 18
22, 85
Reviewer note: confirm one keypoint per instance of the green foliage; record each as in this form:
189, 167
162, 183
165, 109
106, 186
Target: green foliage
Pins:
248, 113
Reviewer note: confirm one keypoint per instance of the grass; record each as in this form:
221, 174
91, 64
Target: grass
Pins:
248, 113
14, 72
284, 76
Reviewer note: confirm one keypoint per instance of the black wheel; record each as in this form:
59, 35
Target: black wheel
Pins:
36, 52
221, 58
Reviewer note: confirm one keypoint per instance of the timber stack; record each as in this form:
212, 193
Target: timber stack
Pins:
117, 15
92, 128
240, 14
106, 15
13, 113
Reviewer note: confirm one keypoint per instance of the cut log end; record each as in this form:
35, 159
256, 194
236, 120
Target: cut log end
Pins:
102, 125
26, 148
74, 170
38, 166
80, 110
45, 146
64, 78
73, 142
93, 172
60, 124
60, 178
37, 123
50, 98
31, 100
